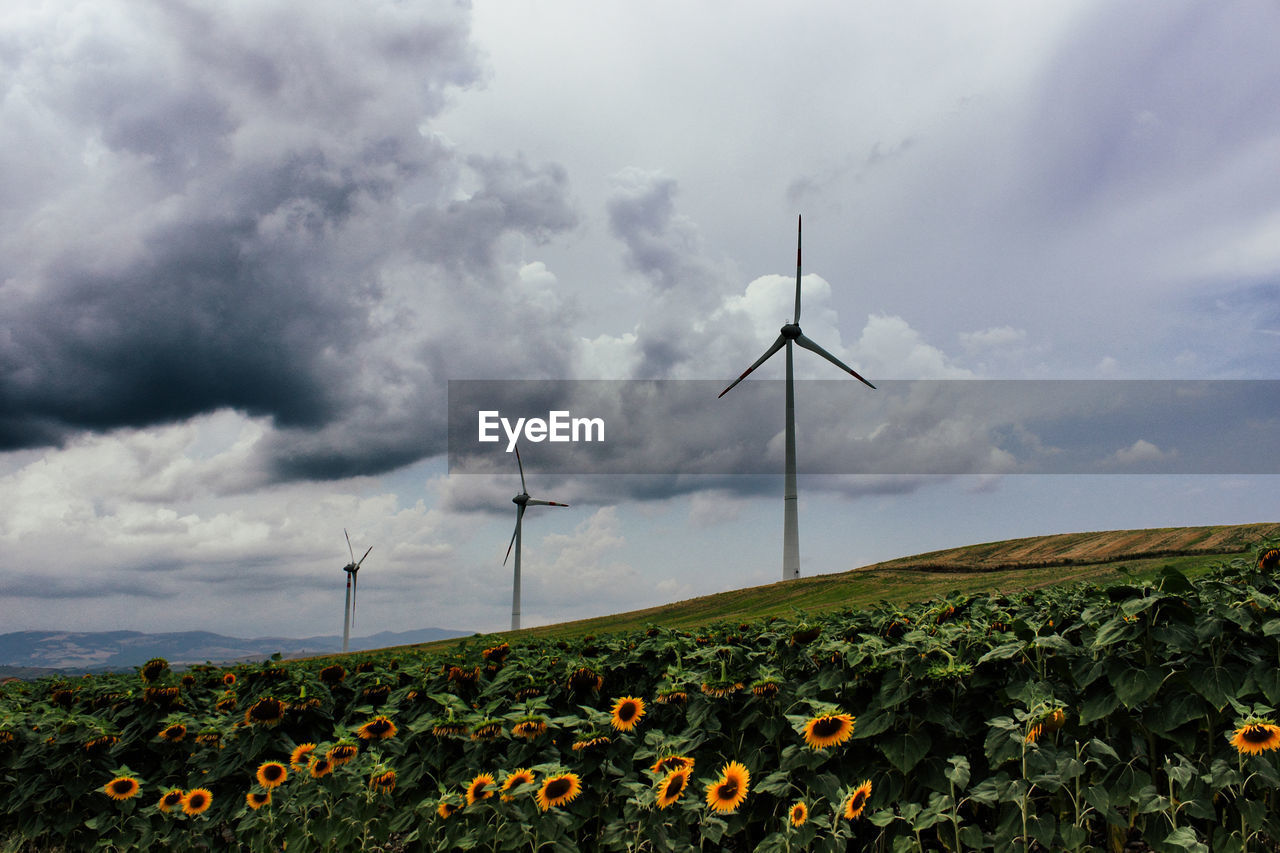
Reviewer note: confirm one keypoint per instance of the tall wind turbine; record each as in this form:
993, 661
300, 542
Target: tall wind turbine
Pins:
521, 501
791, 334
349, 609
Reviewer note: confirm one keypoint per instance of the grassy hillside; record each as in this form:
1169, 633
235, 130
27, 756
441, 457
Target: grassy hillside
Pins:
1029, 563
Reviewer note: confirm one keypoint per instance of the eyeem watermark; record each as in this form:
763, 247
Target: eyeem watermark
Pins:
558, 426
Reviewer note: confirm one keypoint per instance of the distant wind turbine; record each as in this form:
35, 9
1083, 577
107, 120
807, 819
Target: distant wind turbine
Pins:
521, 501
791, 334
349, 609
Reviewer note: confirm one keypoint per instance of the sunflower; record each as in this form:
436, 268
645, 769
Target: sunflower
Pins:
1256, 736
1034, 733
170, 800
799, 813
379, 728
319, 767
672, 697
98, 743
265, 712
446, 809
727, 793
487, 730
857, 801
558, 790
1269, 560
173, 733
384, 781
341, 752
153, 669
449, 728
827, 730
227, 703
122, 788
479, 788
585, 678
333, 675
626, 714
301, 755
721, 689
765, 688
497, 654
515, 779
672, 786
529, 727
197, 801
257, 799
229, 679
210, 737
271, 774
668, 763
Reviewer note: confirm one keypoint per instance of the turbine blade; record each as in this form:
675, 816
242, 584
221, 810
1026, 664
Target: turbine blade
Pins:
808, 344
524, 490
777, 345
353, 553
519, 515
366, 553
533, 502
799, 222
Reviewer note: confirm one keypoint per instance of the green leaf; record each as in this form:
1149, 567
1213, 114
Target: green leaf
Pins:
1003, 652
905, 751
1098, 707
1217, 684
1134, 686
1184, 838
958, 771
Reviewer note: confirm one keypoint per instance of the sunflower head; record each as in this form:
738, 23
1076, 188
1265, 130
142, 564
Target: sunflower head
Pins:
558, 790
333, 675
265, 712
173, 733
1269, 559
626, 713
197, 801
301, 755
122, 788
480, 788
728, 792
257, 799
515, 779
669, 763
271, 774
799, 813
1256, 735
319, 767
384, 781
672, 786
153, 669
229, 678
487, 730
857, 801
827, 730
447, 808
341, 752
170, 800
379, 728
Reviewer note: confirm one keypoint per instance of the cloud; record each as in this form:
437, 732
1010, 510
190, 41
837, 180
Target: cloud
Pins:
1139, 453
235, 221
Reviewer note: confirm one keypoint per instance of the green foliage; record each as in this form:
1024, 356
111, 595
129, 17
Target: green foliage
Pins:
1060, 719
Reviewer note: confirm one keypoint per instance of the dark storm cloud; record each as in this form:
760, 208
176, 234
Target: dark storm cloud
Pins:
240, 220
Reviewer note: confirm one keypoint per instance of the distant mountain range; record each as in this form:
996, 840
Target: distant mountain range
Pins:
28, 654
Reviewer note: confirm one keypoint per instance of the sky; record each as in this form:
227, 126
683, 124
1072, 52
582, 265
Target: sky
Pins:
246, 246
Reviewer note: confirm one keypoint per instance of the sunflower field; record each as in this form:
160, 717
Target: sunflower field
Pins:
1068, 718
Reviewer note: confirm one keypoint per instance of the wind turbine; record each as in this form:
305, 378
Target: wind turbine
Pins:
521, 501
791, 334
349, 609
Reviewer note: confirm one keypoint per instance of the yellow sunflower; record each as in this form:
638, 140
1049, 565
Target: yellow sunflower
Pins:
257, 799
265, 712
668, 763
529, 727
170, 800
515, 779
319, 767
384, 781
480, 788
341, 752
799, 813
627, 712
173, 733
379, 728
558, 790
122, 788
857, 801
1269, 560
1256, 736
672, 786
271, 774
301, 756
197, 801
827, 730
727, 793
446, 809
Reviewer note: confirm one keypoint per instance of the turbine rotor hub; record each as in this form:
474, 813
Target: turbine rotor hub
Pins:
520, 499
791, 331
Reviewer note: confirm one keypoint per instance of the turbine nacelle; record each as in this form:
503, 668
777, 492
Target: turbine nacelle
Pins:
790, 331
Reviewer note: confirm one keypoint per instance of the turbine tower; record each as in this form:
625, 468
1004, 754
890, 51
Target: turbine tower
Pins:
349, 609
521, 501
791, 334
